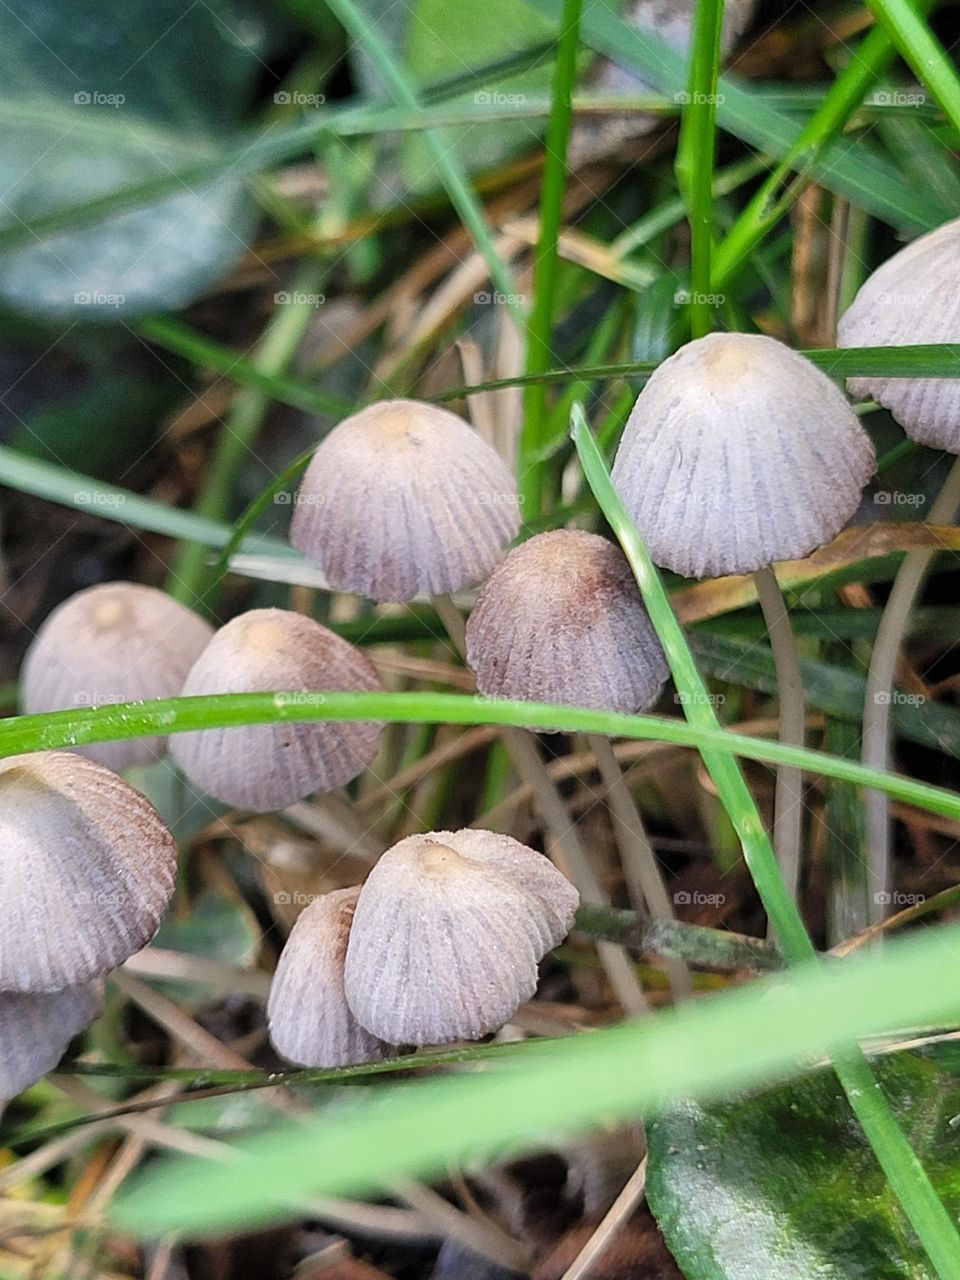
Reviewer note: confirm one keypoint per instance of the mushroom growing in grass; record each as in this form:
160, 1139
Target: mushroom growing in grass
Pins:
269, 766
87, 870
739, 453
117, 642
561, 620
405, 499
310, 1021
35, 1030
911, 298
447, 935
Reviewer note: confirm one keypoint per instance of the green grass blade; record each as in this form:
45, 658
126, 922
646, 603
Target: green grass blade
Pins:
531, 469
903, 20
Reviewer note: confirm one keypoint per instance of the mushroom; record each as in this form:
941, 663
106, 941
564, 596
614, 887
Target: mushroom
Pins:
87, 870
35, 1030
269, 766
910, 298
403, 499
310, 1021
561, 620
117, 642
738, 453
447, 935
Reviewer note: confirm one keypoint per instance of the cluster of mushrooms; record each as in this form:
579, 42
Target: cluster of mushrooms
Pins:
738, 453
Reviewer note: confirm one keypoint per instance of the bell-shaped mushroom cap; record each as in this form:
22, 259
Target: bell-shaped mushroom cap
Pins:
268, 766
447, 934
35, 1030
562, 620
404, 499
739, 452
913, 297
117, 642
310, 1021
87, 869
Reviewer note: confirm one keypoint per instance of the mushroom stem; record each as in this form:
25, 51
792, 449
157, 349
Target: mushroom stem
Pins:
788, 797
562, 832
641, 869
879, 696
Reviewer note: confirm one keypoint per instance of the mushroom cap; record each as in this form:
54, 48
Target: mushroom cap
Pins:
269, 766
739, 452
87, 870
35, 1030
561, 619
404, 499
117, 642
912, 298
447, 934
311, 1023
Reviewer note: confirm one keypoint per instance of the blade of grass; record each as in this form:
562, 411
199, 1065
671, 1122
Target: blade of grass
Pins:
922, 51
531, 470
905, 1173
696, 154
756, 1034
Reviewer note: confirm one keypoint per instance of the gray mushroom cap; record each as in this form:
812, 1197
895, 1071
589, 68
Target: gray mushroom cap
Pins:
404, 499
562, 620
265, 767
116, 642
447, 935
912, 297
35, 1030
739, 453
311, 1023
87, 870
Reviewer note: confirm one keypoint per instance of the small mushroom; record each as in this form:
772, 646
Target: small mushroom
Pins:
87, 870
310, 1021
447, 935
403, 499
117, 642
738, 453
35, 1030
269, 766
562, 620
912, 298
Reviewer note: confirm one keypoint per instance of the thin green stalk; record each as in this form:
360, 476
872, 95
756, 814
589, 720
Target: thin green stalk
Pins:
696, 154
462, 197
906, 1175
530, 467
189, 575
904, 23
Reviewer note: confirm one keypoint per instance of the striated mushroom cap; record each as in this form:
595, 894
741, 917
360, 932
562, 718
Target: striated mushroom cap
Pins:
447, 934
738, 453
404, 499
912, 298
35, 1030
268, 766
310, 1021
87, 870
117, 642
562, 620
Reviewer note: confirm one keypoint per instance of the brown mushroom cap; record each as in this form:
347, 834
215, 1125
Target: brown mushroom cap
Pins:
117, 642
310, 1021
404, 499
264, 767
87, 870
447, 934
562, 620
35, 1030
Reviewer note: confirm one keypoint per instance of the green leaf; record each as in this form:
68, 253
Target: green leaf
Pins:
782, 1185
85, 112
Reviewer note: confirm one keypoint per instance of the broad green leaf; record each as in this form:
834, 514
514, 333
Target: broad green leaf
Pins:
782, 1185
105, 94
